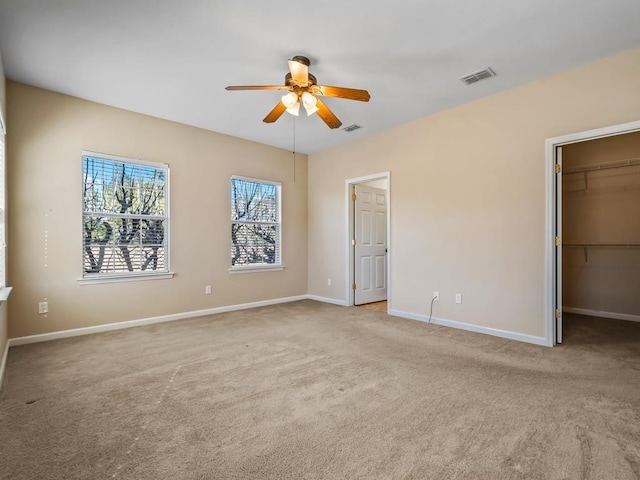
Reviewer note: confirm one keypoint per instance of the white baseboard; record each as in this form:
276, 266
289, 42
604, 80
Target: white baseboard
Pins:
597, 313
3, 364
520, 337
45, 337
334, 301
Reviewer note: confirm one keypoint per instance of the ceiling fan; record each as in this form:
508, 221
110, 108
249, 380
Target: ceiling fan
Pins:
304, 89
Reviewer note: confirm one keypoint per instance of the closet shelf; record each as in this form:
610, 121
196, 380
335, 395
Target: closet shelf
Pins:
587, 246
630, 162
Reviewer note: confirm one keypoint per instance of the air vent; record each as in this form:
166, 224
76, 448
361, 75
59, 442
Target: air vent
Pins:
477, 76
351, 128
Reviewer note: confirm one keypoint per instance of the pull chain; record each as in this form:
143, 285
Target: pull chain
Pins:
294, 150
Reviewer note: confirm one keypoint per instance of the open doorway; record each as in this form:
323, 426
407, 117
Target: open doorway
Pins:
588, 233
368, 241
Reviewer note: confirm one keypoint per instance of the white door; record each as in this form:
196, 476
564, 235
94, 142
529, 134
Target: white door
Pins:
371, 244
558, 312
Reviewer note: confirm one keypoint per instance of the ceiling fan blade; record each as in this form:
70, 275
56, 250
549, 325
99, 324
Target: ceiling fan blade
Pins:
327, 115
258, 87
274, 114
341, 92
299, 73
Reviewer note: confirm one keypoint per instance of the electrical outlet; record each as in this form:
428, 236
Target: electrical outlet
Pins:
207, 290
436, 296
43, 307
458, 298
329, 281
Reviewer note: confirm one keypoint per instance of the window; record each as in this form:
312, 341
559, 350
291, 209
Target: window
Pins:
125, 217
255, 224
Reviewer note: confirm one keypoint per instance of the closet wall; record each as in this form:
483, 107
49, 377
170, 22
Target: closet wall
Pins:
601, 227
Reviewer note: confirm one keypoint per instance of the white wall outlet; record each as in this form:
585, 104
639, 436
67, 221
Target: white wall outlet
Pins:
458, 298
329, 281
436, 296
207, 290
43, 307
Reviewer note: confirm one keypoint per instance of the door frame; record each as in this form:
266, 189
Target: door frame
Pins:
350, 224
554, 191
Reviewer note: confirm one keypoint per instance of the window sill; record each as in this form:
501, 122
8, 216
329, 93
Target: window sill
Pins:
125, 278
4, 293
256, 269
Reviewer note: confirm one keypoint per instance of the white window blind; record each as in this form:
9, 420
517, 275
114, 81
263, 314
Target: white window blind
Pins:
125, 217
255, 223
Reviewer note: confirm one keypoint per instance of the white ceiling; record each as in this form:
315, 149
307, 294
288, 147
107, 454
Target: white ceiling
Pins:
172, 59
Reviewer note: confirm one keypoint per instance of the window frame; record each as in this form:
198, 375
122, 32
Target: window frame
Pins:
112, 277
260, 267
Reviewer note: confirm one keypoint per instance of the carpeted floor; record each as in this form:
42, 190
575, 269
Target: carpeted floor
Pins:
314, 391
377, 306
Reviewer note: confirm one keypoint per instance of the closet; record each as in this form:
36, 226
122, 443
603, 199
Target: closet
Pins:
601, 227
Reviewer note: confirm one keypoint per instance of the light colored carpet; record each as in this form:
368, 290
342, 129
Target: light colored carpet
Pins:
377, 306
314, 391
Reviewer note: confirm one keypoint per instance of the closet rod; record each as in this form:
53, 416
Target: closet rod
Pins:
630, 162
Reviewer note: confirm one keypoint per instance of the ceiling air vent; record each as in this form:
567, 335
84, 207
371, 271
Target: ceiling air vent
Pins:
477, 76
351, 127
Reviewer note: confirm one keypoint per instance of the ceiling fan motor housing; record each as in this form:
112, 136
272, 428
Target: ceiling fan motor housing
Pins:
301, 59
290, 82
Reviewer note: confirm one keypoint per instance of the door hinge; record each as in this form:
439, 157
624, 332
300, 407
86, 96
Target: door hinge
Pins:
558, 168
353, 242
353, 286
558, 313
353, 197
558, 241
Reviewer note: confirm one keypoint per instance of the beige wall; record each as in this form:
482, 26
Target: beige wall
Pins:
467, 204
468, 196
48, 131
3, 306
601, 207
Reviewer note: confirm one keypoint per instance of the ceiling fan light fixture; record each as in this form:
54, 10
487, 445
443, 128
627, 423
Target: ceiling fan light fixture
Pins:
310, 103
295, 110
311, 111
291, 103
289, 100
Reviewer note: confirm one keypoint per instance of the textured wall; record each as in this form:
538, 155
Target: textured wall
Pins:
48, 131
468, 196
3, 307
